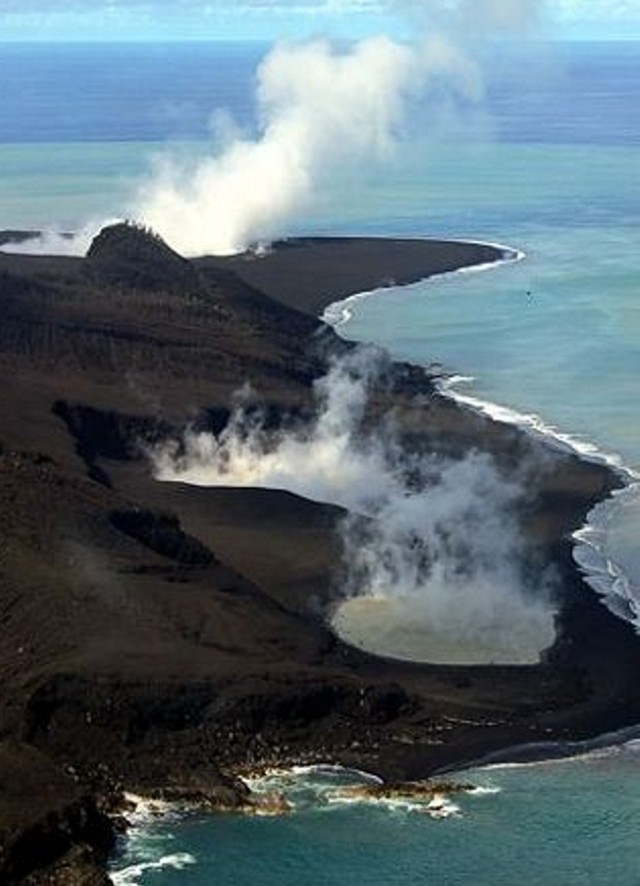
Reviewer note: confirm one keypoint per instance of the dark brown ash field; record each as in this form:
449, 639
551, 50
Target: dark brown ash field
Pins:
147, 627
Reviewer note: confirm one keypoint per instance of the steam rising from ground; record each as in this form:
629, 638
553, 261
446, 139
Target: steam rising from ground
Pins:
59, 243
320, 109
434, 568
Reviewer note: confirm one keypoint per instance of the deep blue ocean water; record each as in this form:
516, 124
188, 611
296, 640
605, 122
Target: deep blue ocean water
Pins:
551, 167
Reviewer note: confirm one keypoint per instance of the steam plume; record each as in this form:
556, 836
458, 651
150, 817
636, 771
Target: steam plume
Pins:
320, 108
56, 243
434, 564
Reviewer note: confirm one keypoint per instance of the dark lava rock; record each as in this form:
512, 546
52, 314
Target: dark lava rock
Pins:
129, 255
161, 533
128, 671
51, 831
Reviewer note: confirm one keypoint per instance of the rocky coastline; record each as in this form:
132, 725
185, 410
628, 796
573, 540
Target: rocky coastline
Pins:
159, 638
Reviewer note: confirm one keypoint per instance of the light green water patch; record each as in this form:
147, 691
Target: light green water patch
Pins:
422, 188
467, 190
556, 334
383, 626
64, 185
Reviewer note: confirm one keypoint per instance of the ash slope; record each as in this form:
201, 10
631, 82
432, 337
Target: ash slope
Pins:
156, 636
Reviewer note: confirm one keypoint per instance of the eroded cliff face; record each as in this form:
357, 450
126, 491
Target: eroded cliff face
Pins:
157, 636
51, 829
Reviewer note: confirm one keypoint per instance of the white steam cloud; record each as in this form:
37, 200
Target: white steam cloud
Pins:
57, 243
435, 567
320, 109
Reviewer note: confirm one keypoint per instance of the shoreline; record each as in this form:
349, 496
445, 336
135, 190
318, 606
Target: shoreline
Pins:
337, 268
608, 580
604, 576
530, 426
273, 788
337, 313
189, 629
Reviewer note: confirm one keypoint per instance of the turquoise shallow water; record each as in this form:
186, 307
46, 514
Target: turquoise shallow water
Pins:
569, 823
59, 184
533, 332
557, 335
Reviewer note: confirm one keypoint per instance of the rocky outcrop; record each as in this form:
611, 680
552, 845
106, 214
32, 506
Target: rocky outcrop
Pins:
161, 533
51, 830
133, 257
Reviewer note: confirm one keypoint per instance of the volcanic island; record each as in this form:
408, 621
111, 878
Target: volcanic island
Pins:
160, 638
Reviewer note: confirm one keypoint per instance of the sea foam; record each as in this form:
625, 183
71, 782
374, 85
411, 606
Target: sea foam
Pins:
619, 592
131, 876
340, 312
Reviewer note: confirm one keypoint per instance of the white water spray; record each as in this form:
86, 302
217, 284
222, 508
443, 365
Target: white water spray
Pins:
435, 567
321, 109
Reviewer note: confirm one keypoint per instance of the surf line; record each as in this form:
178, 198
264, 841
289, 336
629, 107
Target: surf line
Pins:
340, 312
602, 574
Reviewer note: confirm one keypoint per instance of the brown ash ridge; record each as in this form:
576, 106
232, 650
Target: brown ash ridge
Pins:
135, 258
158, 637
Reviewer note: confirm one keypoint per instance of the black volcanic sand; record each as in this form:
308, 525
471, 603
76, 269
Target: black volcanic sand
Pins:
160, 637
309, 274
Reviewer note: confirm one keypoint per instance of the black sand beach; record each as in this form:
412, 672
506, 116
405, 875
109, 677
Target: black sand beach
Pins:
309, 274
160, 637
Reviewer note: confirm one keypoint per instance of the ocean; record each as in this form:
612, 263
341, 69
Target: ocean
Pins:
549, 166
